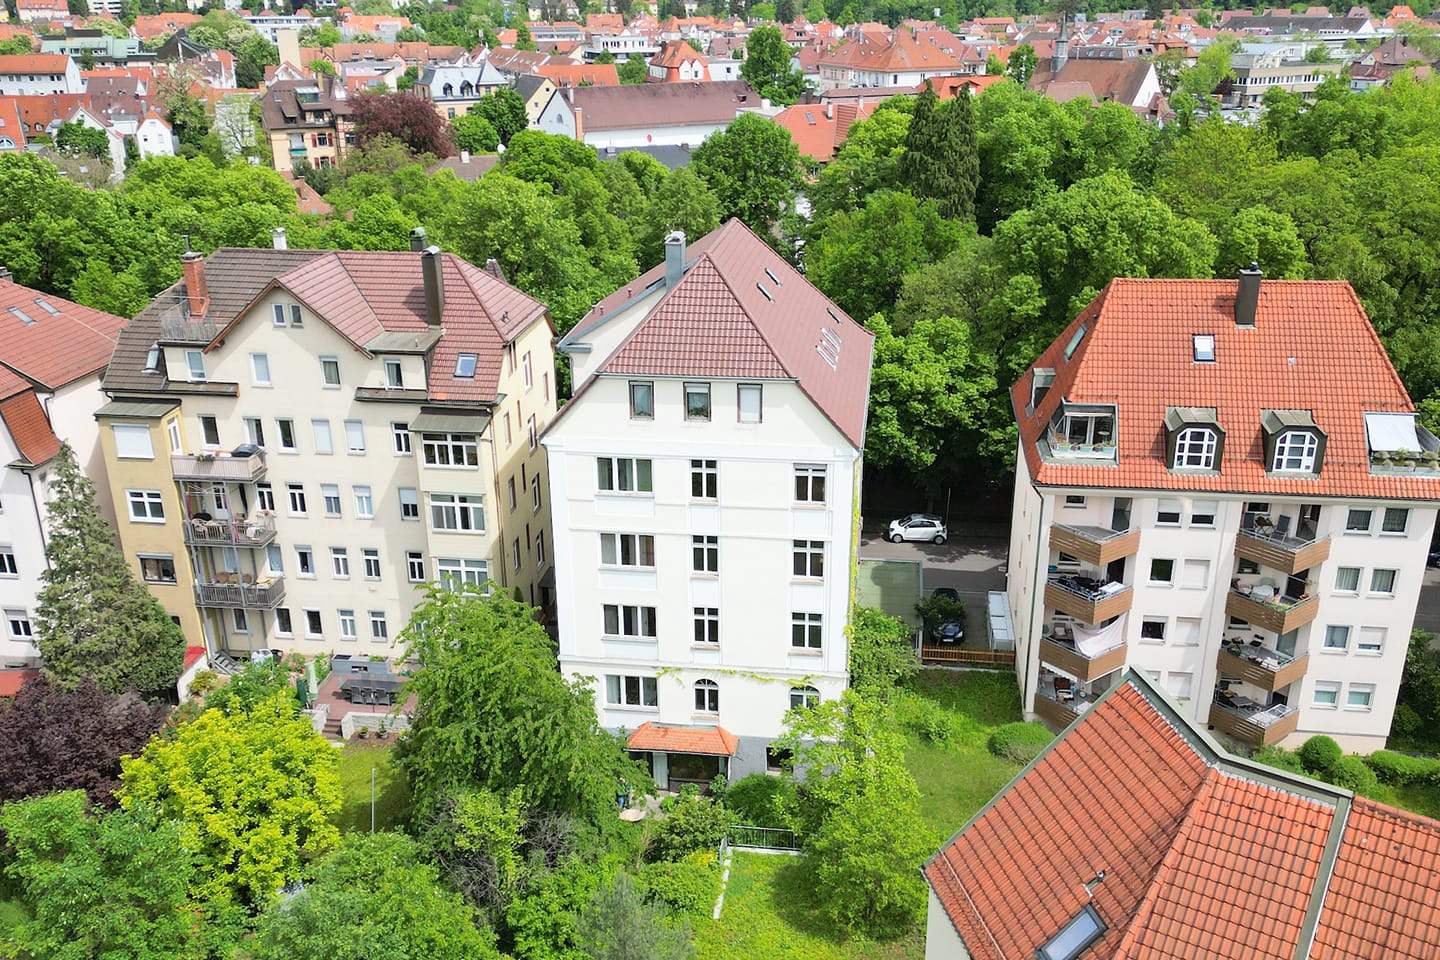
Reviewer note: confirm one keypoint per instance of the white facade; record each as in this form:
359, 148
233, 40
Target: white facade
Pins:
154, 138
18, 76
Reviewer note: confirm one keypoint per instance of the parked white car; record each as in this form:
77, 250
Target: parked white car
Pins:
918, 527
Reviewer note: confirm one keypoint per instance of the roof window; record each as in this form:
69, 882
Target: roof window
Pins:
24, 317
465, 366
1040, 380
1204, 345
829, 347
1083, 929
1074, 343
152, 359
45, 305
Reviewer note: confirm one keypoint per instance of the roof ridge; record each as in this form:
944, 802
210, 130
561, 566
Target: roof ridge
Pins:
358, 289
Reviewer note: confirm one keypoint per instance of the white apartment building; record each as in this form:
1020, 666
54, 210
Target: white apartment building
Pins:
1224, 486
705, 485
39, 74
307, 438
52, 353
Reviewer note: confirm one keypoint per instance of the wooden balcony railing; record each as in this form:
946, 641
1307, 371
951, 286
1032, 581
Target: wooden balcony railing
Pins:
1097, 546
1287, 554
1259, 728
1067, 659
1055, 714
1265, 668
1087, 605
1275, 614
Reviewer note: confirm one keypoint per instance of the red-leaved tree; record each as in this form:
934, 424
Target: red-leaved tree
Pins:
405, 117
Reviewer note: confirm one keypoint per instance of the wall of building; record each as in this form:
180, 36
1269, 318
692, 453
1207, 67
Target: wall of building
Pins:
941, 940
21, 537
1024, 578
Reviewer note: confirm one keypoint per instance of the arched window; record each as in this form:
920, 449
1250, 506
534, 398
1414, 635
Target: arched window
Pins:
707, 696
1295, 450
1195, 449
447, 90
466, 89
804, 697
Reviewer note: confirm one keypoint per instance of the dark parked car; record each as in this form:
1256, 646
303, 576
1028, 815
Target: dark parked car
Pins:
948, 633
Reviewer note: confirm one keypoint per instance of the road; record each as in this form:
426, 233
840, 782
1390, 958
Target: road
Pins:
976, 565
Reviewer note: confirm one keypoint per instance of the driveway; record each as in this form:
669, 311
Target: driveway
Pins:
973, 566
1427, 612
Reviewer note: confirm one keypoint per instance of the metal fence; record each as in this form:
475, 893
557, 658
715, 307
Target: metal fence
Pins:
763, 838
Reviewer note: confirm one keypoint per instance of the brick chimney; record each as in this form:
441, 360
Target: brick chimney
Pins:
197, 294
1247, 295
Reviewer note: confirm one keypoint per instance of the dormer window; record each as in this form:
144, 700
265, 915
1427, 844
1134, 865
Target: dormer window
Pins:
1293, 442
1193, 438
1040, 380
1083, 430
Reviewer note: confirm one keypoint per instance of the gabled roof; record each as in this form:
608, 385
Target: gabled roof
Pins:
671, 738
1117, 80
30, 63
29, 427
53, 349
1312, 348
901, 54
1203, 854
653, 105
728, 318
365, 296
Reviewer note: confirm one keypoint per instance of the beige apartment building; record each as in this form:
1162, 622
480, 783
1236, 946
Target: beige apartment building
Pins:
325, 433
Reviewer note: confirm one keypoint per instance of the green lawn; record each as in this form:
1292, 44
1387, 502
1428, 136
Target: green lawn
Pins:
11, 913
768, 915
392, 796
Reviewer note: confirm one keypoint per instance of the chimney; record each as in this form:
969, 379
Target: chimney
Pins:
4, 273
1247, 295
430, 264
464, 156
674, 258
1062, 49
580, 124
417, 240
197, 294
277, 239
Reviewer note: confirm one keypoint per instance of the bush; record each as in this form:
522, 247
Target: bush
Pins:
1400, 769
1019, 742
925, 719
204, 681
690, 886
756, 800
1352, 774
1318, 754
1279, 758
1407, 722
693, 824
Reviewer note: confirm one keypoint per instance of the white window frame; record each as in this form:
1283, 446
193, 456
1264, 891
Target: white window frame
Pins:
284, 426
535, 502
1298, 446
304, 558
804, 698
525, 372
394, 374
697, 388
1350, 516
195, 365
348, 628
1377, 576
327, 366
340, 563
457, 512
454, 572
707, 697
615, 547
805, 557
284, 622
260, 369
400, 435
132, 441
409, 504
314, 622
1340, 631
355, 437
1365, 690
812, 481
379, 626
624, 475
145, 506
1153, 580
620, 621
1404, 514
705, 555
364, 501
1342, 571
705, 623
450, 451
632, 691
1195, 449
415, 566
756, 404
1331, 687
330, 499
807, 632
533, 432
1371, 641
19, 625
295, 499
370, 557
324, 439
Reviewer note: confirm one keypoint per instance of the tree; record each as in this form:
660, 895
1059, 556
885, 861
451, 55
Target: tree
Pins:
404, 116
620, 925
869, 161
187, 117
767, 66
78, 140
407, 80
474, 134
324, 36
505, 110
253, 792
633, 70
859, 259
754, 168
523, 40
93, 617
784, 11
374, 896
882, 652
682, 202
547, 158
605, 56
53, 739
860, 815
1021, 66
112, 886
941, 158
1195, 86
492, 711
994, 66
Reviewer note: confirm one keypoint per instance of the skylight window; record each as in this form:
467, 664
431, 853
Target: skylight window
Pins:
1084, 929
24, 317
765, 293
465, 366
44, 305
1204, 344
152, 359
1074, 343
771, 274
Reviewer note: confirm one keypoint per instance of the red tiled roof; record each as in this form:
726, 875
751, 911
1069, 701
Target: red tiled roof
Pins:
192, 654
1312, 349
53, 349
577, 74
714, 741
1204, 856
717, 322
29, 427
901, 54
29, 63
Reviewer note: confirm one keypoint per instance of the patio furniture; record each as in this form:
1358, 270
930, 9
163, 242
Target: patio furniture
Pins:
1064, 690
247, 579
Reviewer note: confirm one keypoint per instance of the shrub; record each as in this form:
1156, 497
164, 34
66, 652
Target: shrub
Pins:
693, 824
690, 886
1319, 754
1279, 758
1400, 769
926, 719
204, 681
1352, 774
756, 800
1019, 742
1406, 722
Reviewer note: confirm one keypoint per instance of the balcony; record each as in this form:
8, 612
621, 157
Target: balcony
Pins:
261, 595
1054, 714
1087, 600
256, 532
1096, 546
1064, 656
220, 467
1252, 723
1261, 666
1286, 554
1276, 614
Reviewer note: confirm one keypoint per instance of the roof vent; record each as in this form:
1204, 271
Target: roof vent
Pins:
674, 258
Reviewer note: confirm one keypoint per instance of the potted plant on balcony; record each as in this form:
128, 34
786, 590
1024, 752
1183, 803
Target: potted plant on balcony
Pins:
1406, 458
1430, 459
204, 457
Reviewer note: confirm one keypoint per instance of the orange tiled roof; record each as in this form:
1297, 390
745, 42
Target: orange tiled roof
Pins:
903, 53
579, 74
666, 738
29, 427
12, 680
53, 349
1204, 855
1312, 349
31, 63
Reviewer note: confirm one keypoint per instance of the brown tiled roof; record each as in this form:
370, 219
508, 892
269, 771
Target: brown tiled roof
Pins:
1117, 80
901, 54
29, 427
576, 74
1204, 855
676, 53
54, 348
717, 322
666, 738
39, 111
660, 104
1312, 349
362, 295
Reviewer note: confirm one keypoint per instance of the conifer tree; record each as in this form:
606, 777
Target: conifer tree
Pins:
942, 157
93, 617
